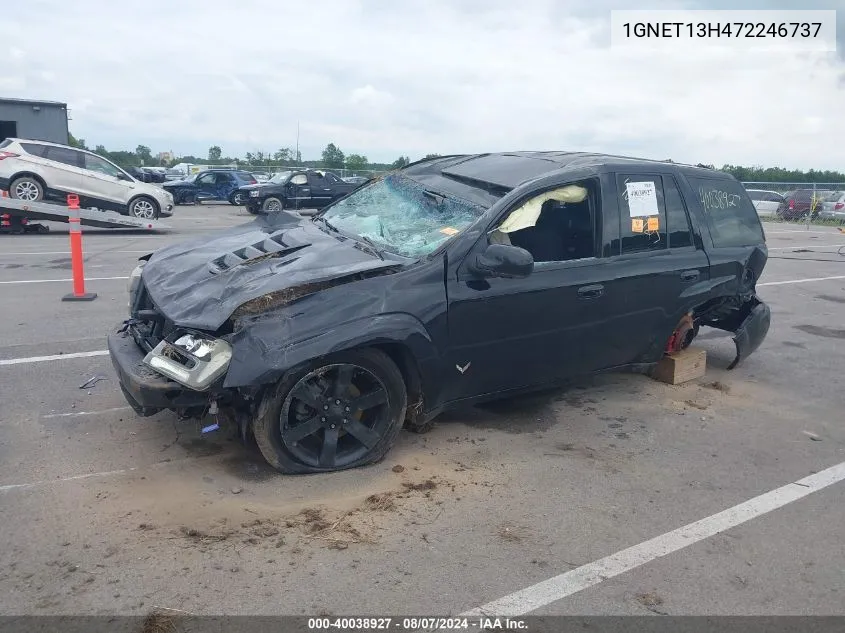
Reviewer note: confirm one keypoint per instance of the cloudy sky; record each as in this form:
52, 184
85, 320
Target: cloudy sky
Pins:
399, 77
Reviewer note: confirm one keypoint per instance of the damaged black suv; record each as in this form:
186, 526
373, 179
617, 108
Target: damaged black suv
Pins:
454, 280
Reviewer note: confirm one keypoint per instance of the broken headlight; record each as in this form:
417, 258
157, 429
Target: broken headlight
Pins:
134, 282
191, 359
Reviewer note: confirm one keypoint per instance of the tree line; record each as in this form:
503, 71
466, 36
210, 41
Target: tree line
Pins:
333, 157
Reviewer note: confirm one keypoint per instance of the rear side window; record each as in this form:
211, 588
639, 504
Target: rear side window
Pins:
676, 215
732, 218
35, 149
5, 143
62, 155
643, 213
654, 216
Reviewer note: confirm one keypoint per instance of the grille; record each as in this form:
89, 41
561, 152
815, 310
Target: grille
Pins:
148, 331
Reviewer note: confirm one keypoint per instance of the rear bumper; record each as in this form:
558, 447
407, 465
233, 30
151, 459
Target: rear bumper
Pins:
752, 330
147, 391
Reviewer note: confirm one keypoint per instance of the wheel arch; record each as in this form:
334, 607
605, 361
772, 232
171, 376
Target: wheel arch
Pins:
138, 196
31, 174
256, 362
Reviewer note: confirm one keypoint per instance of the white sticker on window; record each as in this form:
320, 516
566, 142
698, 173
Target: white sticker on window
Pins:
642, 199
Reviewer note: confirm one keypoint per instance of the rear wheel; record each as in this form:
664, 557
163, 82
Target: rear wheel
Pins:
273, 204
143, 207
238, 199
337, 412
26, 188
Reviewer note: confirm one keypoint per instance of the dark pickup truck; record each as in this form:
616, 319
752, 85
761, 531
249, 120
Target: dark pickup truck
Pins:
299, 189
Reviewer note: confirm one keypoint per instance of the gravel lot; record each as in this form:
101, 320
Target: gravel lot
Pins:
104, 512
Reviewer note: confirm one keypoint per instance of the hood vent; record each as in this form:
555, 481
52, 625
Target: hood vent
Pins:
269, 248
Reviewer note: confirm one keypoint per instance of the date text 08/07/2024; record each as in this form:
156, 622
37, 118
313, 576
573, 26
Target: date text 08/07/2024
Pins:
722, 29
480, 623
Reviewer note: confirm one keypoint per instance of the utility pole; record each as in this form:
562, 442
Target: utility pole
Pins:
296, 156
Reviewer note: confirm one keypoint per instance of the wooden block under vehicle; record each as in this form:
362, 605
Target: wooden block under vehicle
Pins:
681, 367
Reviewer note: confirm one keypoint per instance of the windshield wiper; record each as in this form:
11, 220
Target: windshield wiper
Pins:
328, 224
375, 249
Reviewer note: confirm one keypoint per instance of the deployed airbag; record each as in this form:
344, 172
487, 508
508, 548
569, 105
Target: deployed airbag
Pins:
526, 215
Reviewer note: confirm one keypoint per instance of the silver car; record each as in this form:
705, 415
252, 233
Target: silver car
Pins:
34, 170
766, 202
833, 207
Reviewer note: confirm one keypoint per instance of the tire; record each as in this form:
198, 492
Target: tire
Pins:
27, 188
237, 199
144, 207
301, 448
272, 204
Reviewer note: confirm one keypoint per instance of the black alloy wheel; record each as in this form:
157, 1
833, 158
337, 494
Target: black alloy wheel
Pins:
339, 412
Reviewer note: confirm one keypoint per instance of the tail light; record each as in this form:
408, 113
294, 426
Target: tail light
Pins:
839, 205
8, 155
792, 204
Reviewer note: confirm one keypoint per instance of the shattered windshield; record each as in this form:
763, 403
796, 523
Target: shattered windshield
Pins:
399, 215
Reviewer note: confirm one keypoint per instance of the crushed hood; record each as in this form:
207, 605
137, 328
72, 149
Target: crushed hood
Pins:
200, 283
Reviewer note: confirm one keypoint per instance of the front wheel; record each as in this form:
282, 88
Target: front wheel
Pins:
237, 199
26, 188
143, 207
338, 412
272, 205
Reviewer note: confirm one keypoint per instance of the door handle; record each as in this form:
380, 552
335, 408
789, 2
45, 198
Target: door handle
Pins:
590, 292
690, 275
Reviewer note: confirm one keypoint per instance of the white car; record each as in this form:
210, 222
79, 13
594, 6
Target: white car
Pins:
766, 202
37, 170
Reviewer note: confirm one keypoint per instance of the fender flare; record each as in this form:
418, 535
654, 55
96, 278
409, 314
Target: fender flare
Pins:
265, 350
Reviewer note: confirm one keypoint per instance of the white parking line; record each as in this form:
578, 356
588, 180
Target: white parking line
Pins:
74, 478
566, 584
43, 359
107, 473
47, 281
80, 413
800, 281
815, 246
800, 231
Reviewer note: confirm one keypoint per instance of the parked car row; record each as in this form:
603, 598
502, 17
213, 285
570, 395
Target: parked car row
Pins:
799, 203
147, 174
295, 189
37, 170
210, 185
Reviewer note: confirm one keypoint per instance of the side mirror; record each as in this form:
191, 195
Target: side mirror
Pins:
501, 260
124, 177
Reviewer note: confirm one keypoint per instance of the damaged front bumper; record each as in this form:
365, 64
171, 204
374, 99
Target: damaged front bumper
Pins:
147, 390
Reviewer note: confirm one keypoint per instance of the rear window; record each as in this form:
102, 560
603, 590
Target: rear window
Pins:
732, 218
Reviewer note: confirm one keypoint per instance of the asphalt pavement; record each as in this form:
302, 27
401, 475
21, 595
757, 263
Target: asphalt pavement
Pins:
103, 512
